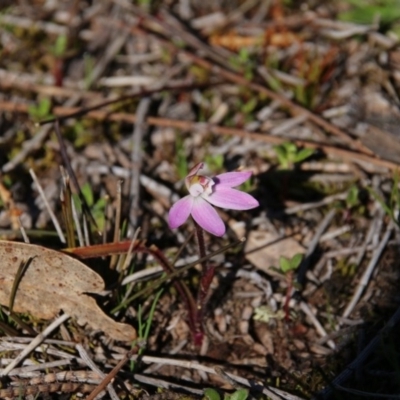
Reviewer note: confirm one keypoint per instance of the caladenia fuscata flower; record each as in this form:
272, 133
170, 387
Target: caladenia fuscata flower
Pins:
204, 193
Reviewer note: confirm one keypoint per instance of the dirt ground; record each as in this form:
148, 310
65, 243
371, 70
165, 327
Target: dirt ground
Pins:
104, 109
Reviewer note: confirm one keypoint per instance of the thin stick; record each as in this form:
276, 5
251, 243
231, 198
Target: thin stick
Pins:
301, 273
205, 280
369, 270
272, 393
238, 78
136, 157
23, 232
71, 173
112, 374
69, 112
77, 222
78, 112
89, 362
317, 325
34, 343
117, 222
49, 210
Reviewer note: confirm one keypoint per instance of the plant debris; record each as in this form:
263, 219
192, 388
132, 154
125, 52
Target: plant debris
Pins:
53, 281
110, 104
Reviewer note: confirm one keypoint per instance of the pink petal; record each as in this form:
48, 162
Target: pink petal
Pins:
207, 217
232, 179
180, 212
195, 169
233, 199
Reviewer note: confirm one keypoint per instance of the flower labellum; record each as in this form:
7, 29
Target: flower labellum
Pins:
204, 193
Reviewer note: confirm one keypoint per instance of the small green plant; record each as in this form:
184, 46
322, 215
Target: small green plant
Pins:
265, 314
393, 206
287, 266
311, 72
289, 154
353, 203
144, 326
243, 62
60, 47
366, 12
97, 208
248, 107
40, 111
212, 394
352, 199
180, 158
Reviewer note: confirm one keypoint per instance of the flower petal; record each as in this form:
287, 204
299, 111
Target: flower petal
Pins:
180, 212
233, 199
195, 169
205, 215
232, 179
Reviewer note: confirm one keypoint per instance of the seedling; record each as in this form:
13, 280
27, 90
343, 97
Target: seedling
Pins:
144, 326
212, 394
244, 63
41, 110
287, 267
60, 47
265, 314
97, 207
366, 12
393, 207
289, 154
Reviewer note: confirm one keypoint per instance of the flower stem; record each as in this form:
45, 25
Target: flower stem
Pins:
288, 295
207, 275
200, 242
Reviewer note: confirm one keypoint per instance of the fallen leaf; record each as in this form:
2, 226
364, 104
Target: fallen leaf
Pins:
55, 281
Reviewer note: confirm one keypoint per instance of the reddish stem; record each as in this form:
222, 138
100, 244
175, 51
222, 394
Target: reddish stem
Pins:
288, 295
58, 72
140, 247
207, 275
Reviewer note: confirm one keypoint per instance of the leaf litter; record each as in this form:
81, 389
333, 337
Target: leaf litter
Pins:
271, 72
55, 281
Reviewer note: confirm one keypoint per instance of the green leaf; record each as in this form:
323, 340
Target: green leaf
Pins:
282, 154
365, 12
40, 110
44, 106
60, 46
284, 264
240, 394
87, 193
296, 261
211, 394
248, 107
352, 196
303, 154
291, 148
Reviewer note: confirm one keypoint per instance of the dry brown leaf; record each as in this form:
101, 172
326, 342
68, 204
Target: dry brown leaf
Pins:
52, 282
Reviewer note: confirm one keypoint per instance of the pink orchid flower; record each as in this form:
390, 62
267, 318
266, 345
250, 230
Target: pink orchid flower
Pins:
205, 192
